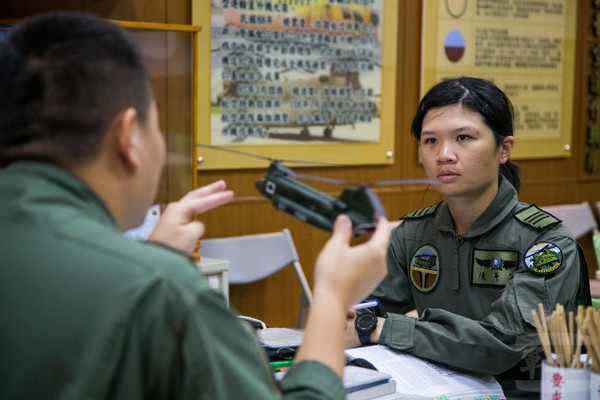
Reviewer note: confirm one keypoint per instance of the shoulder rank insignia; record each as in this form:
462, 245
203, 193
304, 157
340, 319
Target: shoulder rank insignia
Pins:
422, 212
536, 218
543, 258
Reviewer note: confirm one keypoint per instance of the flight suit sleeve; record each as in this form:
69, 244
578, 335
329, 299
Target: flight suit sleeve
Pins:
184, 343
502, 338
230, 361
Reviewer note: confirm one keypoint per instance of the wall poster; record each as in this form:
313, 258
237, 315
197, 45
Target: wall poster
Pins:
527, 47
297, 80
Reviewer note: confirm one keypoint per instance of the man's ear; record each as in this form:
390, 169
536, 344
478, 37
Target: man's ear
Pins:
126, 130
506, 149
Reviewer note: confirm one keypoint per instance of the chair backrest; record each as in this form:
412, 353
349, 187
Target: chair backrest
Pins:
255, 257
578, 218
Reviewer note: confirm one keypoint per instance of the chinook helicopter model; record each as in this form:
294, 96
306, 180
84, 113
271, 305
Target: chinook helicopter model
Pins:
282, 186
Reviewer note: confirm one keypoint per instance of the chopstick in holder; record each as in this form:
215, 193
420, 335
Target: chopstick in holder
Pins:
592, 338
562, 335
542, 330
576, 363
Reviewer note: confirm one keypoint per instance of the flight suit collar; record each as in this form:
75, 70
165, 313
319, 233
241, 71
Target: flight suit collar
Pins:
53, 181
502, 205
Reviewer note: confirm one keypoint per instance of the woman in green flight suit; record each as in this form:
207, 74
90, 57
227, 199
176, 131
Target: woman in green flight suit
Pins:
464, 274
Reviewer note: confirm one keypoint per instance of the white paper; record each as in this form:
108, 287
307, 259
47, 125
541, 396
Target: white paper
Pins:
415, 376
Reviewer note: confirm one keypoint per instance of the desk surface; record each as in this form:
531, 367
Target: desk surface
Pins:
216, 272
213, 265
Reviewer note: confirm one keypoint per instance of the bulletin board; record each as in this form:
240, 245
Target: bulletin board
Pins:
527, 47
310, 80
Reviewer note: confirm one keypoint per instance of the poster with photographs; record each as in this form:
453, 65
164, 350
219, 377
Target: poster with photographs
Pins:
293, 75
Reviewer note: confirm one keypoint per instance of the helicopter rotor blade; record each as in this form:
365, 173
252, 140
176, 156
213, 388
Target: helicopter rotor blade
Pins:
333, 181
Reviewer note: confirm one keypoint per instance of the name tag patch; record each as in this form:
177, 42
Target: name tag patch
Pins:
494, 267
543, 258
425, 268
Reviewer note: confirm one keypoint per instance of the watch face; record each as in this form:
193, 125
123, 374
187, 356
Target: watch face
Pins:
365, 321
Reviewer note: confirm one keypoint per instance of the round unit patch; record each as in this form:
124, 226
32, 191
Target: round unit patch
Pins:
425, 268
543, 258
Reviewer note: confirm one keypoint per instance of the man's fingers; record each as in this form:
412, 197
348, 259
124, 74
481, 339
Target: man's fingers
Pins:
342, 228
383, 231
207, 202
211, 188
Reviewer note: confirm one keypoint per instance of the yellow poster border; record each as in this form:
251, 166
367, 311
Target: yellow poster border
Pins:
325, 152
526, 148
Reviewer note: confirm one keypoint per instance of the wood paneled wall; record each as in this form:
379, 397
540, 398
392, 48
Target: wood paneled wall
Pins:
546, 181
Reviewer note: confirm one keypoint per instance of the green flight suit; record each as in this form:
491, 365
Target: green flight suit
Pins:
475, 292
88, 314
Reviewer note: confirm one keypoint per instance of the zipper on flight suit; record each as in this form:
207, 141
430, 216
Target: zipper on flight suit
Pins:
458, 240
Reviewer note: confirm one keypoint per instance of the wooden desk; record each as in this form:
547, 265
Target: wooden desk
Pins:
216, 272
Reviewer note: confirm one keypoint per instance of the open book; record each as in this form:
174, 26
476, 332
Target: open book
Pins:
419, 379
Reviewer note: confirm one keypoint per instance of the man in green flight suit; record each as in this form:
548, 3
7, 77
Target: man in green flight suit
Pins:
89, 314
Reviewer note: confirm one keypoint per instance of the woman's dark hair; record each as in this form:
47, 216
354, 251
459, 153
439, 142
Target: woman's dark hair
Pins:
64, 77
478, 95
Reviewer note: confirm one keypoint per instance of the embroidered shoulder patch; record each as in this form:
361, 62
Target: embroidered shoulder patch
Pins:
494, 267
425, 268
543, 258
536, 218
422, 212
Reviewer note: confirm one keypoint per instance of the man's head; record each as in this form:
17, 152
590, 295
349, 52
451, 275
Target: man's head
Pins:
74, 92
63, 79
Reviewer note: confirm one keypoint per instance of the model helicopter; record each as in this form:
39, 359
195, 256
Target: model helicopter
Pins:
282, 186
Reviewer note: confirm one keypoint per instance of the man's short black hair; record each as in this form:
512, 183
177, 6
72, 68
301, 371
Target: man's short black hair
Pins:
64, 77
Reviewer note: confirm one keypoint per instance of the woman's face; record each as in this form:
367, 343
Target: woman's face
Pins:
458, 150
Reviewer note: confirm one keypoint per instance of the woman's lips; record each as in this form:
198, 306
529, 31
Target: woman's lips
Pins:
447, 177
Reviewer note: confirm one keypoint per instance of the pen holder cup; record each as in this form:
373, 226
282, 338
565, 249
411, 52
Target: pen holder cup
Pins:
565, 382
595, 385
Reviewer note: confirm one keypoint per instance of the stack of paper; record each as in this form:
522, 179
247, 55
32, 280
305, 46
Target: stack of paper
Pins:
419, 379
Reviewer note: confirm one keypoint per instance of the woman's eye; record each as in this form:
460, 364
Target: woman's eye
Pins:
462, 138
429, 141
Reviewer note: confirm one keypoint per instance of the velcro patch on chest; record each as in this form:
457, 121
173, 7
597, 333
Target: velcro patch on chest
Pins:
493, 267
425, 268
543, 258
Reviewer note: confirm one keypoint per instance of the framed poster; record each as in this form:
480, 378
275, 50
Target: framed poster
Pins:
527, 47
310, 80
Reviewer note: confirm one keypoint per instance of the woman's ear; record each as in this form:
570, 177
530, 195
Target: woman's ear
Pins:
506, 149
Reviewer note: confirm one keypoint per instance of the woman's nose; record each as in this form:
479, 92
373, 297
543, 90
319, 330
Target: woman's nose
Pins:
446, 153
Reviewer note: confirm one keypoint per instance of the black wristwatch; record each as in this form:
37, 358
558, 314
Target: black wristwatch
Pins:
365, 323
